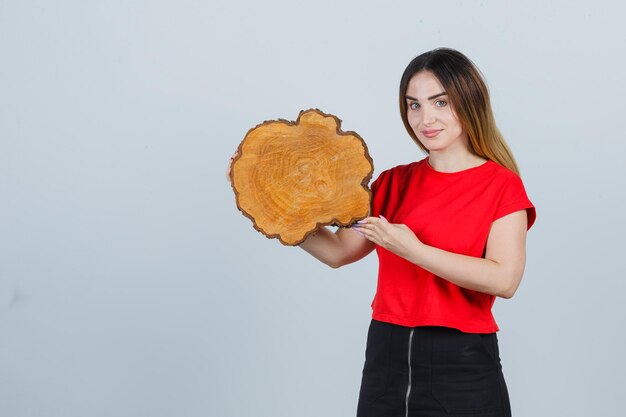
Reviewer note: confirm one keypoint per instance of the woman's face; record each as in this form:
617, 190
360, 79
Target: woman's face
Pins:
430, 115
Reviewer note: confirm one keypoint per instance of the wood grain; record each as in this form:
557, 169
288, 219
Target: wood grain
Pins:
290, 178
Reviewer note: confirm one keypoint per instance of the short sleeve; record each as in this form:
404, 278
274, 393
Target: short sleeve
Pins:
514, 198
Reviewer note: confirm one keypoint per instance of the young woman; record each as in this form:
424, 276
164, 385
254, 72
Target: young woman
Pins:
450, 234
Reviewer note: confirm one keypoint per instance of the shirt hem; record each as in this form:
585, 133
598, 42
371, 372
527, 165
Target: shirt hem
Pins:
435, 321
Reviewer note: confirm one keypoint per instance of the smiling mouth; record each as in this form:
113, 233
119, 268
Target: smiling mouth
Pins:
431, 133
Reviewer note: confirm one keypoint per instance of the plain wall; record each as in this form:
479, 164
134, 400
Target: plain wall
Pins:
130, 284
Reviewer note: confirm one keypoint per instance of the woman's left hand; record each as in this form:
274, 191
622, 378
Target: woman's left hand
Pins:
397, 238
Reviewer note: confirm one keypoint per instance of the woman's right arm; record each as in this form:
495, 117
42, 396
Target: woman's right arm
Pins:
339, 248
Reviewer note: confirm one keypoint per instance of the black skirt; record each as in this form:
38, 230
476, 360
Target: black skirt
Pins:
431, 371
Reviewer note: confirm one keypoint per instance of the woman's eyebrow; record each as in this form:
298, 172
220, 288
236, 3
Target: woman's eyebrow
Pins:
429, 98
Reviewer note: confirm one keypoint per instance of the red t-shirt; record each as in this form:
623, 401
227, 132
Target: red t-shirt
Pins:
450, 211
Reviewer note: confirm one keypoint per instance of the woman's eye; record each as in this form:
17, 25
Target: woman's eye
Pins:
440, 101
414, 106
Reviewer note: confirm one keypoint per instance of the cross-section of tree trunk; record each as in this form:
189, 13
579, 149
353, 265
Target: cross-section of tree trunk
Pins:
290, 178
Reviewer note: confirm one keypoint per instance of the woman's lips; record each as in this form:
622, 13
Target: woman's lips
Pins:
431, 133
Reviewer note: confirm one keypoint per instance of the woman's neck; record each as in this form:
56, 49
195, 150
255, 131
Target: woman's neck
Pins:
453, 163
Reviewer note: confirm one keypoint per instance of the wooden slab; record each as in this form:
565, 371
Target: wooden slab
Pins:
290, 178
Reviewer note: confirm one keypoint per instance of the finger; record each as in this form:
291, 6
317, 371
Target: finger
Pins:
367, 234
371, 236
383, 217
368, 220
363, 226
372, 223
369, 230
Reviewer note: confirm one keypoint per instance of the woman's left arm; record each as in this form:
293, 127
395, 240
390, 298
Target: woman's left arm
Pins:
499, 273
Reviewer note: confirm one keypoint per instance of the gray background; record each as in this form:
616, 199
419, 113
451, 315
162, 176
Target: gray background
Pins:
130, 285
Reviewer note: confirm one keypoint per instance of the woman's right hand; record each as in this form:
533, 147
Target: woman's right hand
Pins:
230, 164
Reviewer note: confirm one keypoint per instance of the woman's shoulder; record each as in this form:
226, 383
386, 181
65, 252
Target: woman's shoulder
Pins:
402, 170
503, 173
395, 176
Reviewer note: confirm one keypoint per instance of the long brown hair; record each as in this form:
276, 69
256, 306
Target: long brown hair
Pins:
469, 98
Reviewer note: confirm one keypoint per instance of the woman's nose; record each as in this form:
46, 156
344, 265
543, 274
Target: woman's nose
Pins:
428, 116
